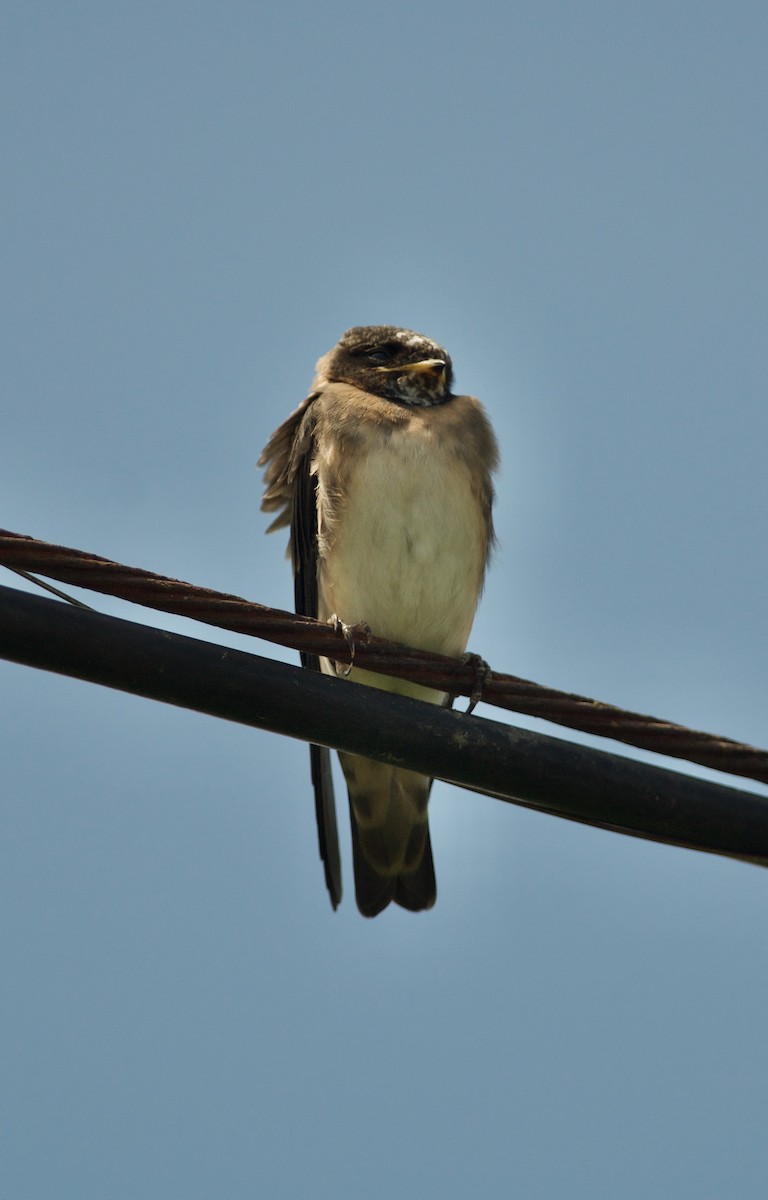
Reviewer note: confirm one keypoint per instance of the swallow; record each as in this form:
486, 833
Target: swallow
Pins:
384, 477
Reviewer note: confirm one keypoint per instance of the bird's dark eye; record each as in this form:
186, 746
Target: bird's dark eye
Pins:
383, 353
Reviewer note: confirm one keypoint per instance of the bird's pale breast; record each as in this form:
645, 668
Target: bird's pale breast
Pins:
405, 537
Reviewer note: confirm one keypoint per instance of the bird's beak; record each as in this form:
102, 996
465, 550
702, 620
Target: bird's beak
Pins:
427, 366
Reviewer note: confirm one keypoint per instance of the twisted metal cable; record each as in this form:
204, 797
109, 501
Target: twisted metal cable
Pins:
459, 677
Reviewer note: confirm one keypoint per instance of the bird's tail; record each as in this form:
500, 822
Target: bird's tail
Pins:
391, 847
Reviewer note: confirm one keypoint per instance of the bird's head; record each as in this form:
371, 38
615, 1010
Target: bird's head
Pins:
394, 363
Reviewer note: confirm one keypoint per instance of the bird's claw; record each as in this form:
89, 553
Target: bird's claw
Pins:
482, 676
361, 631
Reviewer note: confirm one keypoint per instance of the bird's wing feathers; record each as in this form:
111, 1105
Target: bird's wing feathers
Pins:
292, 491
303, 541
280, 458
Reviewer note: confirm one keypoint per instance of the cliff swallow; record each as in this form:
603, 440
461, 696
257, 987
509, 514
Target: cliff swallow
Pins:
384, 476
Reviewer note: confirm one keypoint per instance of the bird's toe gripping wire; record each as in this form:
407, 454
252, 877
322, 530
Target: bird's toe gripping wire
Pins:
361, 632
482, 677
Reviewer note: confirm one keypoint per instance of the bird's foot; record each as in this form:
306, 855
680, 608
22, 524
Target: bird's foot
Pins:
482, 676
361, 631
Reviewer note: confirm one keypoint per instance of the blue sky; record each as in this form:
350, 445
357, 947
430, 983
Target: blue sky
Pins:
197, 201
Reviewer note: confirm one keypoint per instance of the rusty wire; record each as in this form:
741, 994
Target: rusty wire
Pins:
457, 676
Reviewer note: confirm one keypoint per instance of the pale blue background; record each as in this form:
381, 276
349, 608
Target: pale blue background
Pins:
197, 199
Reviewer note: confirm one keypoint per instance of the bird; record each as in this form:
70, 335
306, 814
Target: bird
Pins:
385, 478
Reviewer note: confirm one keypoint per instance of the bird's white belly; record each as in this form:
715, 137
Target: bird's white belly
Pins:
407, 548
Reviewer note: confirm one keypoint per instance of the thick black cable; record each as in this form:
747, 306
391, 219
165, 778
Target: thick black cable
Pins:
539, 772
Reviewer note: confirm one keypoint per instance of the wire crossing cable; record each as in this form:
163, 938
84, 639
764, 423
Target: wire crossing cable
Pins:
456, 676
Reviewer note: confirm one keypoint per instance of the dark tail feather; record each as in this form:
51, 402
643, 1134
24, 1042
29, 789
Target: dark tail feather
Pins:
417, 890
414, 890
327, 831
